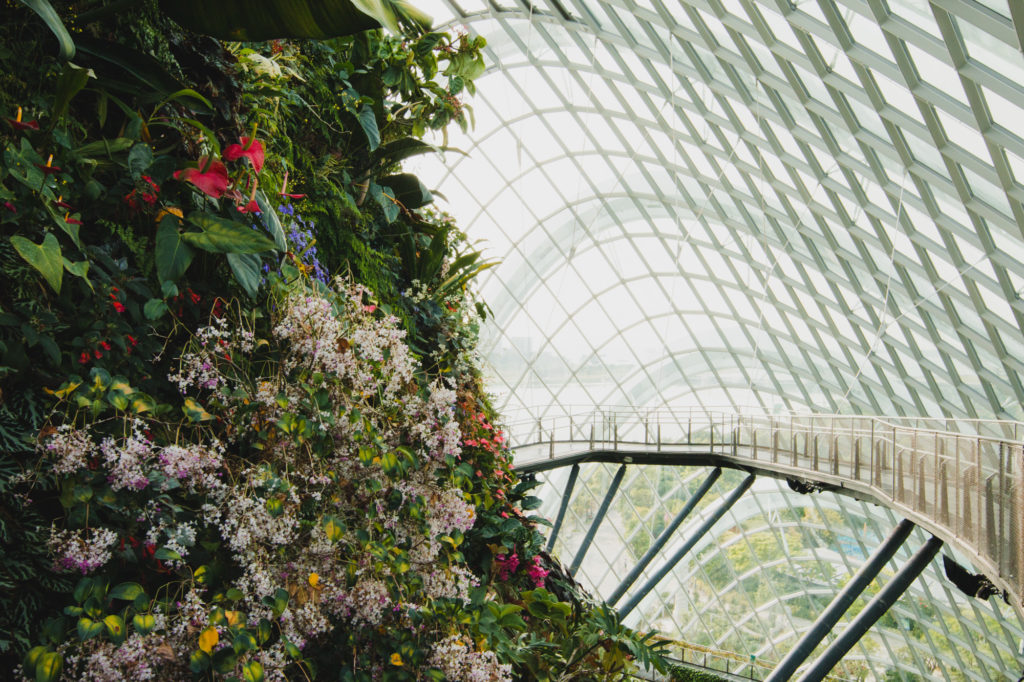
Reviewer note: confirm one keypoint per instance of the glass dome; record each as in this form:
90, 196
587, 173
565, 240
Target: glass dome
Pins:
810, 205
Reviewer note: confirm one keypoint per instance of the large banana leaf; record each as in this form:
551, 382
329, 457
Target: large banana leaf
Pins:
269, 19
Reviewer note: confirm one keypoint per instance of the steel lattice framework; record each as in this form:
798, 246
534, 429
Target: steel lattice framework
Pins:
786, 205
803, 205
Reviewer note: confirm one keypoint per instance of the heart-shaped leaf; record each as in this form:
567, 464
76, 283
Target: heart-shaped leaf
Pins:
45, 257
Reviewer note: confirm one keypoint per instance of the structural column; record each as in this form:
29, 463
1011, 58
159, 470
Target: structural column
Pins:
596, 523
834, 611
664, 537
701, 530
875, 609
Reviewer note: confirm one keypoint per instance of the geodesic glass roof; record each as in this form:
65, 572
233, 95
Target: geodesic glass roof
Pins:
807, 205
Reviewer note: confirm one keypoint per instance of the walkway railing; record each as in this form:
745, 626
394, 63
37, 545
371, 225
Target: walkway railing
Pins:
963, 485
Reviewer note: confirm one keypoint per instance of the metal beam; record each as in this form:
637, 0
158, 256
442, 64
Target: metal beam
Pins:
612, 489
664, 537
875, 609
842, 601
570, 484
704, 527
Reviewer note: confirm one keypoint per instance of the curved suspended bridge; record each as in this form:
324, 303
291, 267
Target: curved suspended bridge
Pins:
961, 480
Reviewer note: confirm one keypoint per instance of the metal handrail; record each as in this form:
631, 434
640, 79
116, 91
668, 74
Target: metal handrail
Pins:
966, 487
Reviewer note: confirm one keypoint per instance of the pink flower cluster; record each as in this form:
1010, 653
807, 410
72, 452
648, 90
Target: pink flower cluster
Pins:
506, 565
461, 663
367, 602
536, 572
449, 511
81, 550
194, 465
127, 461
70, 449
449, 583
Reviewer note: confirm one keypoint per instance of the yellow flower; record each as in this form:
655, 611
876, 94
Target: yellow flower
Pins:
314, 579
396, 659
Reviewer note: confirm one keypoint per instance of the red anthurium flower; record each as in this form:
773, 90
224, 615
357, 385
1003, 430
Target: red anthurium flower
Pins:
62, 204
49, 168
284, 188
213, 181
250, 207
10, 207
250, 148
18, 124
72, 221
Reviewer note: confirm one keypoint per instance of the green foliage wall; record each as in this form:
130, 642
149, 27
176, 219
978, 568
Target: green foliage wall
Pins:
224, 304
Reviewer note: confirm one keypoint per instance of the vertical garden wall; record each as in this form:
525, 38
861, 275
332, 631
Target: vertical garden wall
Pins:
242, 429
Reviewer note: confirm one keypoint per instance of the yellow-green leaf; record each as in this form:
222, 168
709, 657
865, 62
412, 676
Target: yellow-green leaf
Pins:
195, 412
32, 659
144, 623
66, 389
115, 627
208, 639
334, 529
88, 628
48, 667
252, 671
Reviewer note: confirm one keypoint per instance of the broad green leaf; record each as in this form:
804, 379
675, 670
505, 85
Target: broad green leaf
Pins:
221, 235
49, 15
368, 122
385, 196
71, 81
280, 601
105, 147
21, 165
268, 215
89, 628
256, 20
127, 591
248, 271
115, 628
244, 641
45, 257
32, 659
195, 412
253, 670
408, 189
334, 528
165, 554
172, 255
144, 623
142, 403
140, 158
154, 309
78, 269
264, 630
199, 661
101, 379
48, 667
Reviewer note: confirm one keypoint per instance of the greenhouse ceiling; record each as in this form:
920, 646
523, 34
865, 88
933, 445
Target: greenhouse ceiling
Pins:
809, 205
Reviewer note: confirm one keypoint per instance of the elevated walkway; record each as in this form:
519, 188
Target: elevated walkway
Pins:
962, 480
